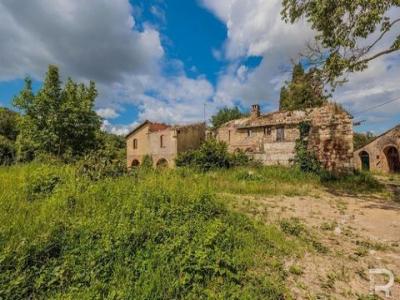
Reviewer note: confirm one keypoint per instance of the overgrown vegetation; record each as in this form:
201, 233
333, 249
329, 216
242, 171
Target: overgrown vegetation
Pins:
305, 159
8, 135
157, 235
213, 154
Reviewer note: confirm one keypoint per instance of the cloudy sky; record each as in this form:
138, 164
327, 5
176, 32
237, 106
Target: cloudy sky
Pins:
165, 60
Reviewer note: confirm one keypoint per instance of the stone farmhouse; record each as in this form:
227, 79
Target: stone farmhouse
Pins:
162, 142
271, 137
381, 154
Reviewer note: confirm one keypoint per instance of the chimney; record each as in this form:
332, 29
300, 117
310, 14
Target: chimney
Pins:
255, 111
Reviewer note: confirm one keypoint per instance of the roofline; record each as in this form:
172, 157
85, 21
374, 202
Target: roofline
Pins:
379, 136
137, 128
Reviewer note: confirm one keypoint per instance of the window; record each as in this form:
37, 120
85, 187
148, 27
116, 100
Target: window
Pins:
229, 135
249, 132
267, 130
135, 144
161, 141
280, 134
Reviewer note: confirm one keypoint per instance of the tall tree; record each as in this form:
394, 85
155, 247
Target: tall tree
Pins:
59, 121
226, 114
8, 135
350, 33
305, 90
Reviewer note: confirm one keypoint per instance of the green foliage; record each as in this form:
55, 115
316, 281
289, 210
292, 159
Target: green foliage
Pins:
211, 155
226, 114
59, 121
162, 236
305, 90
147, 162
8, 123
41, 183
356, 183
343, 27
8, 135
304, 158
100, 164
362, 139
7, 151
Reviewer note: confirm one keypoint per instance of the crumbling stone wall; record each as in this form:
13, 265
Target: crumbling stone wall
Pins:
331, 136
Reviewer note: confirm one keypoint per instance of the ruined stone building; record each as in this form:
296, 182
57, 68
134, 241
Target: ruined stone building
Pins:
271, 137
381, 154
162, 142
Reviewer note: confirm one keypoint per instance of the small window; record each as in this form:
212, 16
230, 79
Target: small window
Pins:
135, 144
267, 130
249, 132
229, 135
161, 141
280, 134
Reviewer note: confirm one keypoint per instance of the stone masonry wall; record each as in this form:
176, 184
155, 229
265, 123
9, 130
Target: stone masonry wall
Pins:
331, 136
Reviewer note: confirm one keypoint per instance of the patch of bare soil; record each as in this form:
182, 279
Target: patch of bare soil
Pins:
359, 233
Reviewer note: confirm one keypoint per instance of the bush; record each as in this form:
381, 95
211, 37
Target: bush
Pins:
7, 151
147, 162
41, 183
213, 154
99, 165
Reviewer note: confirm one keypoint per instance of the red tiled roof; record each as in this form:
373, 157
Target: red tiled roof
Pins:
157, 126
152, 127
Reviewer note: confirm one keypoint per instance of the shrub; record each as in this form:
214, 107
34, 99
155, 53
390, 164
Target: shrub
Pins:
212, 154
7, 151
41, 183
147, 162
99, 165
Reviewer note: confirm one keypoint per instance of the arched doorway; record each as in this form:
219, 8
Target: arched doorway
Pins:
135, 163
364, 157
393, 160
162, 163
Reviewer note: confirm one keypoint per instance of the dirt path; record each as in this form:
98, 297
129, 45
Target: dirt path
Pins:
359, 233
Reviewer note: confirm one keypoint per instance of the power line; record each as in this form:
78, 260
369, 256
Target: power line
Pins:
376, 106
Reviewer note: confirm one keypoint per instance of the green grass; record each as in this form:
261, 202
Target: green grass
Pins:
149, 235
145, 236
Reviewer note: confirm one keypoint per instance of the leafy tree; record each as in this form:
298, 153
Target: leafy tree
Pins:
58, 121
226, 114
362, 139
8, 135
211, 155
305, 90
8, 123
350, 33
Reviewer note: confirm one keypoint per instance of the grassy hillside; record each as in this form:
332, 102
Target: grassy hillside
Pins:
147, 235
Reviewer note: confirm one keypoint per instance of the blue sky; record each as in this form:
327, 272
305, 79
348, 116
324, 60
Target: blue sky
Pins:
165, 59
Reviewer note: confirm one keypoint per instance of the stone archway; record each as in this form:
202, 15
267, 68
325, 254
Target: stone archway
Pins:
162, 163
393, 159
135, 163
365, 163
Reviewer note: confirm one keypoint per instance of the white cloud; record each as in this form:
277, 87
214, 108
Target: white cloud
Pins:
255, 28
100, 40
107, 113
